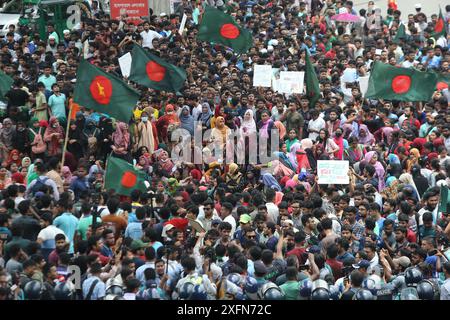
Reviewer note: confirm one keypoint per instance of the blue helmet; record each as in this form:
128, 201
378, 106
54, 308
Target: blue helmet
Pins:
413, 276
363, 294
235, 278
199, 293
251, 285
306, 288
335, 294
425, 290
372, 283
64, 291
270, 291
320, 294
186, 290
33, 290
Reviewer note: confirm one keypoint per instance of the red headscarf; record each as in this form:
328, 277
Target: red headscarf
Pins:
196, 174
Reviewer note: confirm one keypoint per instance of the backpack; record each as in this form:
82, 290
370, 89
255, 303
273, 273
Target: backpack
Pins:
38, 185
38, 145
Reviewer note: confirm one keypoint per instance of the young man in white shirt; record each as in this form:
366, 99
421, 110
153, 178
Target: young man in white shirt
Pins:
148, 36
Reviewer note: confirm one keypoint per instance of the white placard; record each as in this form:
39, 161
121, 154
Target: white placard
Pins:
364, 84
125, 64
332, 171
183, 24
262, 75
291, 82
378, 52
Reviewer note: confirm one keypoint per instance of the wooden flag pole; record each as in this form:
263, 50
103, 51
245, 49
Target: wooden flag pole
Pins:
67, 135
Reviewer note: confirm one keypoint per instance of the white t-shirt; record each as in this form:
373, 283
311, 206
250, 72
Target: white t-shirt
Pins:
147, 38
48, 236
230, 219
317, 124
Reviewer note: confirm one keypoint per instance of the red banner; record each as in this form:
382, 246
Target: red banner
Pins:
131, 8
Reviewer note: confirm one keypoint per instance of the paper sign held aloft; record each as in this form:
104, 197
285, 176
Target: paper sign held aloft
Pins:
262, 75
332, 171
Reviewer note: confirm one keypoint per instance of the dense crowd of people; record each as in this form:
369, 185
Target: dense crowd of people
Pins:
220, 228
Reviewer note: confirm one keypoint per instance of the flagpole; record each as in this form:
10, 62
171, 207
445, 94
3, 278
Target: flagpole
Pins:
67, 134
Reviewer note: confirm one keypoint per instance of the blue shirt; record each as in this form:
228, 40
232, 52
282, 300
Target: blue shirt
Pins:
69, 224
134, 230
47, 81
78, 186
57, 104
99, 289
140, 271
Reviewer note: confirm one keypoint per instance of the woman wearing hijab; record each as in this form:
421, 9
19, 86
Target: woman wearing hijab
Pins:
414, 156
247, 133
420, 181
233, 176
281, 128
105, 142
407, 180
146, 134
364, 136
21, 139
270, 182
54, 136
6, 138
283, 157
205, 116
167, 123
74, 143
340, 142
13, 157
5, 179
67, 174
219, 135
265, 126
165, 164
187, 120
121, 141
307, 146
372, 159
90, 135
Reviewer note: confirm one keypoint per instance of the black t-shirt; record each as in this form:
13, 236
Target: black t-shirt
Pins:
117, 37
30, 227
348, 295
374, 125
16, 98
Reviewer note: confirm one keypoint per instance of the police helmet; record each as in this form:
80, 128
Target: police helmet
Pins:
33, 290
413, 276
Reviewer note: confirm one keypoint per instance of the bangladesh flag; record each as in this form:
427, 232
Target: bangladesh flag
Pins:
444, 202
104, 92
443, 81
312, 83
123, 177
219, 27
401, 33
5, 84
153, 72
403, 84
440, 29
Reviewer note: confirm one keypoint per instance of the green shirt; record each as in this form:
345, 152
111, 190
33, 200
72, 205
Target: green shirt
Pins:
291, 289
84, 223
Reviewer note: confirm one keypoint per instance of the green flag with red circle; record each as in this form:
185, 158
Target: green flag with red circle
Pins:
443, 81
104, 92
402, 84
219, 27
153, 72
123, 177
440, 28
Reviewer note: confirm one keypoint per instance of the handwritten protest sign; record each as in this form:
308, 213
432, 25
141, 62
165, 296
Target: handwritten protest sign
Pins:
291, 82
262, 75
332, 172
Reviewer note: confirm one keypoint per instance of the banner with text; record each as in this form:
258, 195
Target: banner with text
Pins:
332, 172
133, 9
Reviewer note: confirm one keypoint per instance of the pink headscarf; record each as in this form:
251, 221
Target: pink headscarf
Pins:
378, 168
291, 184
278, 197
121, 136
368, 139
